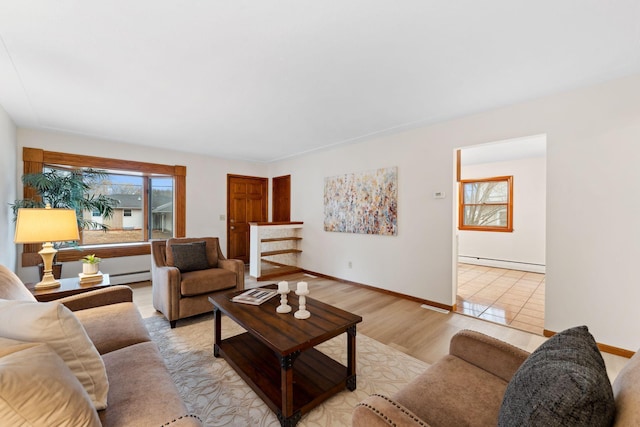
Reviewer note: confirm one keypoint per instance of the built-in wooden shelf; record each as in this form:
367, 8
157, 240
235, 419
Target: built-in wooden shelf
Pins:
281, 251
278, 241
270, 273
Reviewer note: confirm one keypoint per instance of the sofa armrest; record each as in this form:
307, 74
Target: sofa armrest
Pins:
237, 267
97, 298
488, 353
378, 410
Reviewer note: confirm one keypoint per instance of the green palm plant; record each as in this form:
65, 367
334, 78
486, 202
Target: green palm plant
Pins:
68, 189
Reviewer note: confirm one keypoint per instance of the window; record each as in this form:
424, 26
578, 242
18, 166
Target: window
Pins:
134, 203
151, 204
486, 204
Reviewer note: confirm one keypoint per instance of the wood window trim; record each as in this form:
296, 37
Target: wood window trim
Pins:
34, 160
509, 204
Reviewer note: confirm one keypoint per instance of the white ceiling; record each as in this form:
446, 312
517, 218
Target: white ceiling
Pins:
265, 80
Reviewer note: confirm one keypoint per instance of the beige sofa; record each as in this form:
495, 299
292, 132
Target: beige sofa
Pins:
183, 284
141, 391
486, 382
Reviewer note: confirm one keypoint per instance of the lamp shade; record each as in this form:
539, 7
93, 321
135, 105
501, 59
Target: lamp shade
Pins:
46, 225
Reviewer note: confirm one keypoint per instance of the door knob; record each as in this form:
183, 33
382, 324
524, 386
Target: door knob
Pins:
232, 227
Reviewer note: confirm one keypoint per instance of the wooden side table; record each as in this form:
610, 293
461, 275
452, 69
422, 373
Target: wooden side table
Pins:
70, 286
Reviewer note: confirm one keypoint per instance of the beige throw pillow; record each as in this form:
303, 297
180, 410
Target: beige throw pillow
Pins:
56, 325
38, 389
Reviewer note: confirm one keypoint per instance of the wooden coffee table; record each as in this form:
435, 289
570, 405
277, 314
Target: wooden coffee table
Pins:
276, 356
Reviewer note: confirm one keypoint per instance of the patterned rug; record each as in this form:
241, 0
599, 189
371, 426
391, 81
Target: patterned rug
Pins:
212, 390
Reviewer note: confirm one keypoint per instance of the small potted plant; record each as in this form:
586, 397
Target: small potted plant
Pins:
90, 264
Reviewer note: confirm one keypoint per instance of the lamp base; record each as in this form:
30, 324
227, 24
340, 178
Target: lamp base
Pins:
56, 270
47, 282
47, 253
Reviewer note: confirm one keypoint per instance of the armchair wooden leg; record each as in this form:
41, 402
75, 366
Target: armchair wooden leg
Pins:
173, 323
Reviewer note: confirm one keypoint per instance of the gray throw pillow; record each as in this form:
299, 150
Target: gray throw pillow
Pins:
562, 383
190, 256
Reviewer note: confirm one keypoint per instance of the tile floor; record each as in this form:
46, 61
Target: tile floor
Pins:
509, 297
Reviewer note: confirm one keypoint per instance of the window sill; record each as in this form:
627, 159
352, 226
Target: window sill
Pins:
66, 255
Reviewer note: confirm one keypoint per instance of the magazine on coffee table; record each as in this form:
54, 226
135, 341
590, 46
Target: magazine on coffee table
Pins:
255, 296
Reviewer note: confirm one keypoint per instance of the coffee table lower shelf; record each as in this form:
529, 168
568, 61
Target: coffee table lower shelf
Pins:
316, 376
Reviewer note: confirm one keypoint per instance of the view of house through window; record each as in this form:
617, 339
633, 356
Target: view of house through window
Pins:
134, 218
486, 205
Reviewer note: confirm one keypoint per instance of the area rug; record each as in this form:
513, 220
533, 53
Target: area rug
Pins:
212, 390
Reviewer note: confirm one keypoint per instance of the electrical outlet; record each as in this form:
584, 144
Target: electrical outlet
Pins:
349, 264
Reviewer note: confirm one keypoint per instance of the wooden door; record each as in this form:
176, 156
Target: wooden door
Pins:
281, 196
246, 202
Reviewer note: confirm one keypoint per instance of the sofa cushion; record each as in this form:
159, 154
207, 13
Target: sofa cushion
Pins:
38, 389
564, 382
12, 287
205, 281
141, 389
55, 324
113, 326
211, 249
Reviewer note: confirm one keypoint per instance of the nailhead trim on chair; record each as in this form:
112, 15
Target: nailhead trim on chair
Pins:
401, 408
182, 417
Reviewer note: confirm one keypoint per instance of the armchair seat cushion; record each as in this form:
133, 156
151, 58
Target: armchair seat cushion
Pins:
206, 281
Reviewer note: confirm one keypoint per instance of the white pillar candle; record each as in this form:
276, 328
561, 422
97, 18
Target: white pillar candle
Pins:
283, 286
302, 286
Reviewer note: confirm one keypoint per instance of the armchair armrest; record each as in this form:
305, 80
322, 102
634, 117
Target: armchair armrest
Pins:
381, 411
488, 353
237, 267
97, 298
165, 287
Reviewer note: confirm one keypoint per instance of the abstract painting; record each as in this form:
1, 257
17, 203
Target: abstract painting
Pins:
365, 202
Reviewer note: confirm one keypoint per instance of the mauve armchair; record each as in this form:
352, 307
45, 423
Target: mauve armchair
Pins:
186, 271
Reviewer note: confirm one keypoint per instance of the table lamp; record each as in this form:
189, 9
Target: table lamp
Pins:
35, 225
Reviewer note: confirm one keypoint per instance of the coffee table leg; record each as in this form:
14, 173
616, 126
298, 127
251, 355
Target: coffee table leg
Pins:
286, 416
351, 358
217, 330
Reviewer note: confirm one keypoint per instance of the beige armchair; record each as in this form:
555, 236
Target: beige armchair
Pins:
186, 271
486, 382
464, 388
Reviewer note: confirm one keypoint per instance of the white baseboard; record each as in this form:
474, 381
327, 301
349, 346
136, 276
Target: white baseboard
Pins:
511, 265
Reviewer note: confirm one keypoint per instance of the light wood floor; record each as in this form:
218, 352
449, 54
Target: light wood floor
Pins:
396, 322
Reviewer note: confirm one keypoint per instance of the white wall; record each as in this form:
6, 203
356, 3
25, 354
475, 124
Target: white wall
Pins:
7, 189
526, 244
592, 206
206, 184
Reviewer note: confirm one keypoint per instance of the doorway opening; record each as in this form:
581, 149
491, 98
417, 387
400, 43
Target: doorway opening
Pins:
501, 275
